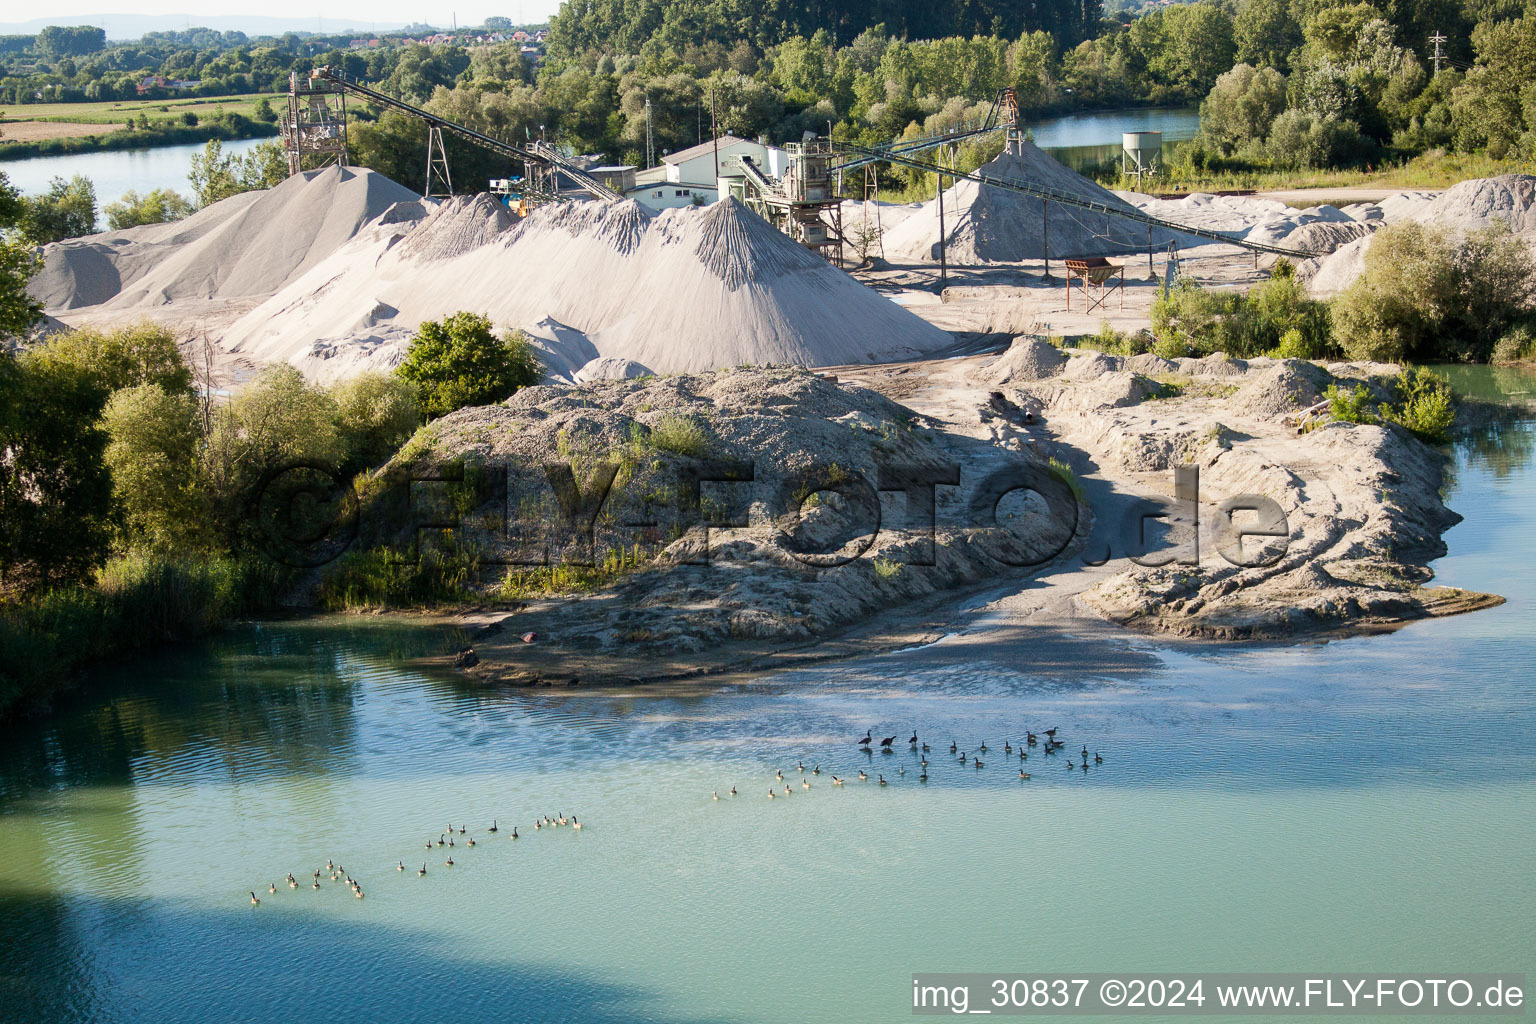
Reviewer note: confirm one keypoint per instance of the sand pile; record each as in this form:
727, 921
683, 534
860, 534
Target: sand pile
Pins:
1268, 221
686, 290
1509, 199
249, 245
1027, 359
991, 225
1288, 386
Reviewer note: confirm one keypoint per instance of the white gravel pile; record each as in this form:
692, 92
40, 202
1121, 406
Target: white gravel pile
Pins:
682, 291
249, 245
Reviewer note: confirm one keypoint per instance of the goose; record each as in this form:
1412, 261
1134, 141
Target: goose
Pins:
358, 892
923, 762
801, 766
983, 747
272, 887
1007, 747
1070, 766
816, 770
770, 793
328, 866
493, 825
1096, 758
564, 820
1023, 754
1051, 732
862, 776
979, 763
461, 829
575, 824
1085, 753
923, 777
450, 840
778, 773
537, 824
399, 865
471, 840
423, 869
901, 770
716, 794
514, 832
805, 783
293, 883
449, 861
254, 901
440, 840
1032, 737
963, 757
836, 781
913, 741
429, 844
733, 791
925, 748
315, 884
952, 747
868, 736
885, 744
1023, 774
787, 790
883, 782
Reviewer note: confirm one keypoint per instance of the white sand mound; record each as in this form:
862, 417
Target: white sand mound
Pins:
1281, 389
1091, 366
1027, 359
1149, 363
609, 368
1509, 199
249, 245
991, 225
686, 290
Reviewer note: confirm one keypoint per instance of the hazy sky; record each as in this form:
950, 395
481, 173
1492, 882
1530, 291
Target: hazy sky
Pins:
361, 12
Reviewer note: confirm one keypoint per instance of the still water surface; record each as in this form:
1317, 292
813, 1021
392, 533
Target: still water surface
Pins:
1360, 805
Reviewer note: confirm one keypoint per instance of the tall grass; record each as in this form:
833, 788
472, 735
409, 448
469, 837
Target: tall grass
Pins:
385, 578
137, 602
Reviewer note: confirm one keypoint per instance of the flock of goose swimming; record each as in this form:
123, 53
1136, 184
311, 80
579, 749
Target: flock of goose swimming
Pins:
445, 840
867, 746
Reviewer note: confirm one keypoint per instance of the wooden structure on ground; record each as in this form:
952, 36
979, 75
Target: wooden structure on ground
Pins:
1094, 275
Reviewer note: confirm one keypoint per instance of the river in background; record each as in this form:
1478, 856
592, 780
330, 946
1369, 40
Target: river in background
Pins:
1367, 805
1078, 140
114, 172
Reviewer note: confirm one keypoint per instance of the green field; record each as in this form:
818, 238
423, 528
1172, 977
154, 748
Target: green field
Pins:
117, 111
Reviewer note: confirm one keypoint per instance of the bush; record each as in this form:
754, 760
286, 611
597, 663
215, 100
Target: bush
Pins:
1190, 320
66, 210
1353, 406
1425, 405
1518, 343
122, 357
681, 435
1242, 106
1299, 138
377, 413
156, 207
1426, 296
460, 361
156, 441
383, 578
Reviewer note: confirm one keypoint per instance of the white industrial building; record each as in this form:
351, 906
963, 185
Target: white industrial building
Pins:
688, 177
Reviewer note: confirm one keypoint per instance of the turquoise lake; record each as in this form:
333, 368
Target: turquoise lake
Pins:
1363, 805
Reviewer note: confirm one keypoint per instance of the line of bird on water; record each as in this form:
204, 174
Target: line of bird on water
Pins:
444, 838
867, 741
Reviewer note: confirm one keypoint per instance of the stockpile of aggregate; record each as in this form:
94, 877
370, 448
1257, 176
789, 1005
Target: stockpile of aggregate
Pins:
685, 290
249, 245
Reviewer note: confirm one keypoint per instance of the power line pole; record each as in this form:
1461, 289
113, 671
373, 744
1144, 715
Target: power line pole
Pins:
650, 145
1437, 39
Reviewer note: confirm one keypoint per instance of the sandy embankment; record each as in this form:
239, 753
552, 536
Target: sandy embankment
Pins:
1361, 510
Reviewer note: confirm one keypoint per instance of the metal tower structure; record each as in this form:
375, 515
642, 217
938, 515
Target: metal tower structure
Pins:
316, 124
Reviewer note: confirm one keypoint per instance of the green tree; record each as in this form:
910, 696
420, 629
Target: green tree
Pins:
215, 176
153, 453
1266, 32
1242, 106
66, 210
19, 312
460, 361
120, 357
376, 413
155, 207
56, 510
1426, 295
